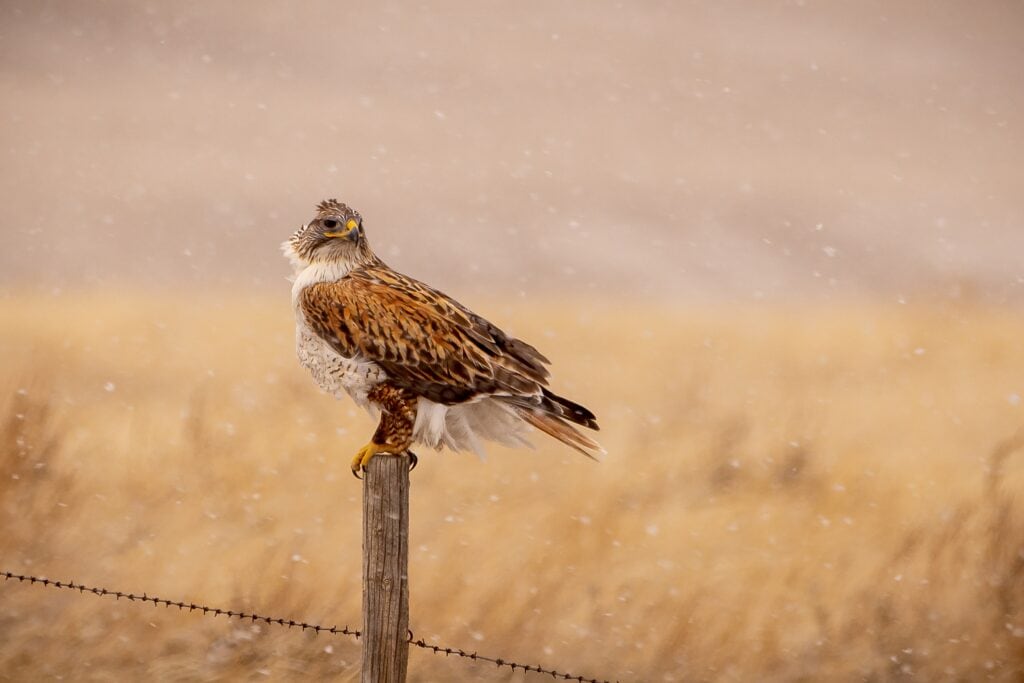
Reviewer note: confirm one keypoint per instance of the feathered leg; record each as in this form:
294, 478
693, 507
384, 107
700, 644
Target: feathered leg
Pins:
394, 432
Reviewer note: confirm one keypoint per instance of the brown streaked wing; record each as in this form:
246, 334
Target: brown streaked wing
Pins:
422, 341
515, 353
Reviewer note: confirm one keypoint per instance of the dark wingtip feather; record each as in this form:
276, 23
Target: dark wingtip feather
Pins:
553, 425
569, 410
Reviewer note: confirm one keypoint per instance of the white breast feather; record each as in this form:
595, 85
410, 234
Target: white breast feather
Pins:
334, 373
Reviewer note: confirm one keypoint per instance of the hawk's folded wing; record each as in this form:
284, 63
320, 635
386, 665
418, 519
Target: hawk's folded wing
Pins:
425, 341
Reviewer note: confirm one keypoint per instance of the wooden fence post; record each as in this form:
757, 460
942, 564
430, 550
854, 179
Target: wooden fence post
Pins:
386, 569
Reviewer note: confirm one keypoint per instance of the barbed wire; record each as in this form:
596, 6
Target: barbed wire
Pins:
190, 606
206, 610
437, 649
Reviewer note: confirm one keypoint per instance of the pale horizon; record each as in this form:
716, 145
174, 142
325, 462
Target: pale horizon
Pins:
739, 152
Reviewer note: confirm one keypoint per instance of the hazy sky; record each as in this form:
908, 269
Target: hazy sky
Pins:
706, 151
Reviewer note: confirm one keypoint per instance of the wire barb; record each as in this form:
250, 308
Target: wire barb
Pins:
290, 623
500, 662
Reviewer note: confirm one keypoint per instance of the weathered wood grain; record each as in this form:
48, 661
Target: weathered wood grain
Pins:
386, 569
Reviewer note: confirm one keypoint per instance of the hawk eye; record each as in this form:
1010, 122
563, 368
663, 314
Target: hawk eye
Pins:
330, 223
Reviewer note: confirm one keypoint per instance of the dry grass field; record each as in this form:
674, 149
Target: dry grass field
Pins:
790, 494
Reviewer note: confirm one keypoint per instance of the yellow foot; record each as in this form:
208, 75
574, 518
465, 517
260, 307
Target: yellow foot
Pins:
364, 456
366, 453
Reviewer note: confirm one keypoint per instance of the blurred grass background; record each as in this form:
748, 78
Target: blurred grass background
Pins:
789, 494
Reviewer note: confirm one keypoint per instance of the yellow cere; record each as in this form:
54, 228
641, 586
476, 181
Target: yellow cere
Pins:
352, 224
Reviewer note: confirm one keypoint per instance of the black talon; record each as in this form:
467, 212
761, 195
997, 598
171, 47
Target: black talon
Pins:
413, 461
355, 473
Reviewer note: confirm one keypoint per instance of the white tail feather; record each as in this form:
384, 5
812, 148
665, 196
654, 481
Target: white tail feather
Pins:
465, 426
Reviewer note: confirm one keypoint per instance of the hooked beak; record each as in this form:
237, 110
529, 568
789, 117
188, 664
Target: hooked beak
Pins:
351, 230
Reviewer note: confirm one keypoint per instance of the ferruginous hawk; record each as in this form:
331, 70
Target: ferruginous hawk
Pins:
437, 373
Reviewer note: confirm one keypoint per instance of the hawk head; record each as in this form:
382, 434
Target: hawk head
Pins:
334, 234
